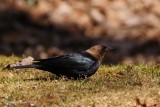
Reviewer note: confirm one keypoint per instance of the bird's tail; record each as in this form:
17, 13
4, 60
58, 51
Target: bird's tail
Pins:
26, 66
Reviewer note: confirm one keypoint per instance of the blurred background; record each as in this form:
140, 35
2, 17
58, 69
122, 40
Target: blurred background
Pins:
45, 28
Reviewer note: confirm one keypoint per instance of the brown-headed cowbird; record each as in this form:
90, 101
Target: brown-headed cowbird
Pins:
78, 65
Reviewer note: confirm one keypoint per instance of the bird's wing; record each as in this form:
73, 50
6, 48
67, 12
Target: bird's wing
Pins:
73, 61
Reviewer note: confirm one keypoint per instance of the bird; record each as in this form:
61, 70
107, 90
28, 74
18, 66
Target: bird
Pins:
78, 65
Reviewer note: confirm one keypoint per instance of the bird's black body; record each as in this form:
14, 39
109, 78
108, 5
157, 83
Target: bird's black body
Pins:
78, 65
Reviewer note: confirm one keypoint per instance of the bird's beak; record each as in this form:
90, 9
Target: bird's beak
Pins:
109, 48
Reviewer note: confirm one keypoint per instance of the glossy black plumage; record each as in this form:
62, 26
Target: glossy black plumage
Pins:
78, 65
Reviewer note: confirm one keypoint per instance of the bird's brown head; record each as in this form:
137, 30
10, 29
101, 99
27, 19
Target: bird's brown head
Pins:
98, 51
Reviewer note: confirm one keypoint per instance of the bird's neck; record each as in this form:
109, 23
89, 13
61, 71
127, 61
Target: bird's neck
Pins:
98, 55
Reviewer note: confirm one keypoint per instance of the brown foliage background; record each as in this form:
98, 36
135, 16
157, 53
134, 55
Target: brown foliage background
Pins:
44, 28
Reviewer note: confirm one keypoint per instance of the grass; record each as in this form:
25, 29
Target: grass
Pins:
111, 86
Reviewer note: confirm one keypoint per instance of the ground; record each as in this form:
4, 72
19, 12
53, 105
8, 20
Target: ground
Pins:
111, 86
